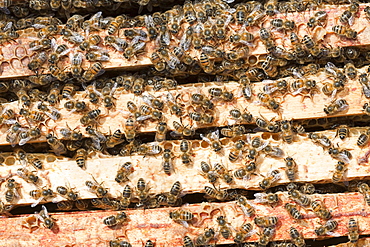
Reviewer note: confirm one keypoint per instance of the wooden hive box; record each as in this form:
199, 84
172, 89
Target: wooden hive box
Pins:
109, 121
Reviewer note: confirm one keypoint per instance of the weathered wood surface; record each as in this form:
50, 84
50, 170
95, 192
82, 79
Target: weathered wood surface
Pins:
315, 165
16, 55
87, 228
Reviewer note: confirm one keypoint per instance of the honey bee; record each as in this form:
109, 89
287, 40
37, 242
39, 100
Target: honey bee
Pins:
363, 139
71, 36
320, 139
114, 220
319, 18
188, 242
117, 43
320, 210
367, 12
208, 173
96, 188
57, 146
233, 131
65, 205
91, 43
43, 215
93, 71
268, 181
12, 188
245, 231
95, 56
27, 175
205, 238
296, 237
336, 106
236, 151
39, 45
292, 168
326, 229
75, 22
142, 190
37, 61
224, 227
364, 189
340, 169
41, 194
266, 221
269, 102
138, 86
344, 31
333, 88
76, 61
134, 48
123, 172
90, 116
223, 173
98, 138
115, 139
220, 195
293, 211
47, 31
213, 140
80, 157
181, 130
149, 149
167, 164
353, 231
270, 198
341, 154
247, 207
125, 200
67, 192
181, 216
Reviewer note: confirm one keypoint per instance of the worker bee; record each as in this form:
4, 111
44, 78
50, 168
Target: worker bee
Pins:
341, 154
236, 151
293, 211
319, 18
245, 231
367, 12
364, 189
149, 149
40, 194
344, 31
67, 192
27, 175
299, 198
115, 42
188, 242
181, 130
336, 106
96, 188
134, 48
12, 188
213, 193
125, 200
266, 221
167, 163
269, 102
320, 139
208, 173
205, 238
142, 190
268, 181
270, 198
363, 139
181, 216
213, 139
353, 231
292, 168
98, 138
57, 146
340, 169
75, 22
71, 36
224, 227
320, 210
123, 172
296, 237
247, 207
43, 215
95, 56
91, 43
93, 71
37, 61
233, 131
185, 148
39, 45
76, 61
223, 173
114, 220
326, 229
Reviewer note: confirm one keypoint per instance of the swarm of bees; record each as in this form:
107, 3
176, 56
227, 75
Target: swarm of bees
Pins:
214, 39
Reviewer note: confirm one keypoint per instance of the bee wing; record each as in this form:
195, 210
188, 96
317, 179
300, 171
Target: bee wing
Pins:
37, 202
215, 135
38, 26
185, 42
344, 158
330, 67
24, 141
8, 26
298, 91
143, 118
260, 197
205, 139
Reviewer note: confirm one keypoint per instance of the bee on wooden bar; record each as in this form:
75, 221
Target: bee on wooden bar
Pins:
43, 216
205, 238
57, 146
344, 31
293, 211
245, 231
114, 220
319, 18
67, 192
340, 154
115, 139
185, 148
223, 173
173, 195
181, 216
76, 62
266, 221
37, 61
142, 190
115, 42
213, 193
98, 138
71, 36
363, 139
320, 140
65, 205
268, 101
299, 197
224, 227
339, 172
12, 188
96, 188
307, 188
247, 207
149, 149
28, 176
291, 168
297, 237
270, 198
367, 12
125, 200
266, 236
123, 172
353, 231
236, 151
188, 242
208, 173
93, 71
326, 229
40, 194
320, 210
233, 131
167, 163
213, 139
268, 181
